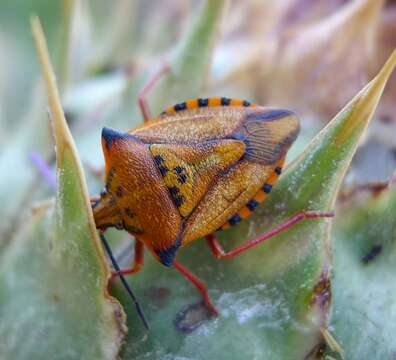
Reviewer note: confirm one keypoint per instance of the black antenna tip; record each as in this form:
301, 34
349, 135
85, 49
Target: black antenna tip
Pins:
139, 309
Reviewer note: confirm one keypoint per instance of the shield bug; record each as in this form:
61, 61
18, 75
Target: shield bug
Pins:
201, 166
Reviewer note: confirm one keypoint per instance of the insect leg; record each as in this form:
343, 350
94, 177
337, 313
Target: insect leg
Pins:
144, 108
137, 262
219, 252
126, 285
201, 287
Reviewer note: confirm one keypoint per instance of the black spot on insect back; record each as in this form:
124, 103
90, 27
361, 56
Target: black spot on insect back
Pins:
129, 213
181, 174
179, 200
119, 191
158, 159
182, 179
175, 192
163, 169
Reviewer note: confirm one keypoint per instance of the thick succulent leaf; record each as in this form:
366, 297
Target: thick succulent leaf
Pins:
54, 302
363, 319
265, 296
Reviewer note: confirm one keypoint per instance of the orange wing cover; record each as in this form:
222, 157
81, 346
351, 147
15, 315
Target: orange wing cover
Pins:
202, 165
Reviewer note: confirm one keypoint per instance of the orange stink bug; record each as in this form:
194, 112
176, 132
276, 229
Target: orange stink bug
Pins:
201, 166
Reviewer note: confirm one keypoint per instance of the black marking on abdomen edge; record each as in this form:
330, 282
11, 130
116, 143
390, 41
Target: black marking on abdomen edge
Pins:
225, 101
252, 204
203, 102
180, 107
267, 188
206, 102
235, 219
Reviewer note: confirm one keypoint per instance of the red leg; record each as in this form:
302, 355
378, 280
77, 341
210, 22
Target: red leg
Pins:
219, 252
144, 108
198, 284
137, 262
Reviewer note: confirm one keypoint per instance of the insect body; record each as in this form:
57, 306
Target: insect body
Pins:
201, 166
198, 167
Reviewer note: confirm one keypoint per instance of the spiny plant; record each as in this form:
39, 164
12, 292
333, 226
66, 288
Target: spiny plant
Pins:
322, 289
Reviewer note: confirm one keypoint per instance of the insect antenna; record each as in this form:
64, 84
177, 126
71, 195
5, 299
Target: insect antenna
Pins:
139, 309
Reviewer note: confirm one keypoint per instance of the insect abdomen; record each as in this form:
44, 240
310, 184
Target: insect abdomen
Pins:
207, 102
257, 199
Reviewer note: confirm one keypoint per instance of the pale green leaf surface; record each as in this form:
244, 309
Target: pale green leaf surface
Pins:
364, 292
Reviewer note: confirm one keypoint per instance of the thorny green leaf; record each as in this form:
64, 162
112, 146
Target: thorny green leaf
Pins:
55, 270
